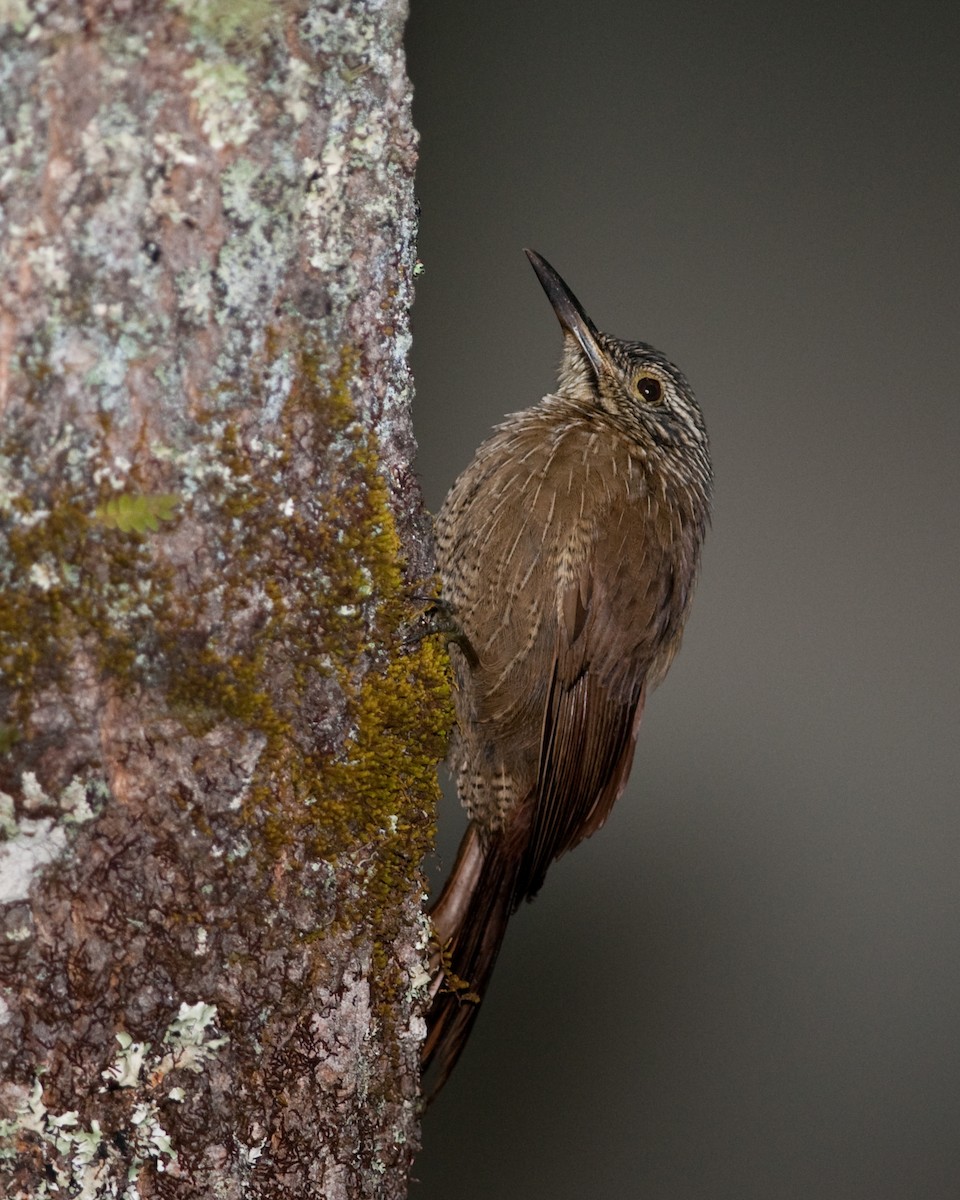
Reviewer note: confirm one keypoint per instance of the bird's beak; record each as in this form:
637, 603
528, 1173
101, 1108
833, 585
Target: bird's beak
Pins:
570, 314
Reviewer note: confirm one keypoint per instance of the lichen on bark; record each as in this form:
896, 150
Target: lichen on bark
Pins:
217, 753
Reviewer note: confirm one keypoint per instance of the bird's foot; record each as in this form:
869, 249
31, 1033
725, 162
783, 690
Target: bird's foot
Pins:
439, 618
446, 982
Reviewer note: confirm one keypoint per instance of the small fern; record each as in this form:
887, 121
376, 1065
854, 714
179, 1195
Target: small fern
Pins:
133, 513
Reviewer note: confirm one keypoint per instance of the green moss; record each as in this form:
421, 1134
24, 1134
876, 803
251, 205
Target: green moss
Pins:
375, 795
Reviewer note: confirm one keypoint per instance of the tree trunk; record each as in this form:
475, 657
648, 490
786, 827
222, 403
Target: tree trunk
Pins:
217, 755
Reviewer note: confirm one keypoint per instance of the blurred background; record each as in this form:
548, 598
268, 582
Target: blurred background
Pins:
748, 983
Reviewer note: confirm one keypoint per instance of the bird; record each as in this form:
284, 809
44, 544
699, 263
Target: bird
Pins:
568, 551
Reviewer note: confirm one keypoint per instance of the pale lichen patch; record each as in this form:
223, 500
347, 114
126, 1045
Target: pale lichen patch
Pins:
15, 15
126, 1069
298, 89
8, 817
195, 293
79, 1160
222, 95
35, 845
31, 843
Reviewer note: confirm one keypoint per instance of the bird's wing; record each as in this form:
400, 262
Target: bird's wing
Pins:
592, 713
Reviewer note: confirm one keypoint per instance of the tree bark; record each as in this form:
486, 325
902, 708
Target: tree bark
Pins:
217, 755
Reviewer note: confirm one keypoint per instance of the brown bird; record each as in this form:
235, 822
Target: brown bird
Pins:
568, 552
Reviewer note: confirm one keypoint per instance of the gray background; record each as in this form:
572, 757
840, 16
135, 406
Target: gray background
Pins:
748, 984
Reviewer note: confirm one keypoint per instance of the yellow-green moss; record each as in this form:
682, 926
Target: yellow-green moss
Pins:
378, 794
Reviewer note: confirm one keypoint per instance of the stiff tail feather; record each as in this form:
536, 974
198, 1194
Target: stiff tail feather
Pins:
470, 918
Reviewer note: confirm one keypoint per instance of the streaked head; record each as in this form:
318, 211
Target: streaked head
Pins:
632, 382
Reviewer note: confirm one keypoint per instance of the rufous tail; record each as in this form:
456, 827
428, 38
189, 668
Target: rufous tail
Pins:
469, 919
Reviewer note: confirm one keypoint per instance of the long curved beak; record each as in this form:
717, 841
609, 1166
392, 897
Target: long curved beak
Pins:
569, 311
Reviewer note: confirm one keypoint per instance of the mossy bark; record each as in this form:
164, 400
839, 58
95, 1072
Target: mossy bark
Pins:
217, 755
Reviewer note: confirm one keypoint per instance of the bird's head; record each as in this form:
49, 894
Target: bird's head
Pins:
634, 384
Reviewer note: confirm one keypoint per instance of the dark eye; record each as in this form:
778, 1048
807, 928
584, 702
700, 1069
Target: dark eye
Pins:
650, 389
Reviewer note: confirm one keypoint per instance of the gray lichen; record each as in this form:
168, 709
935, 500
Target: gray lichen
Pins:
31, 843
82, 1159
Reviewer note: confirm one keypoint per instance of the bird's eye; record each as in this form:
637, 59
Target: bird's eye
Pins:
650, 389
